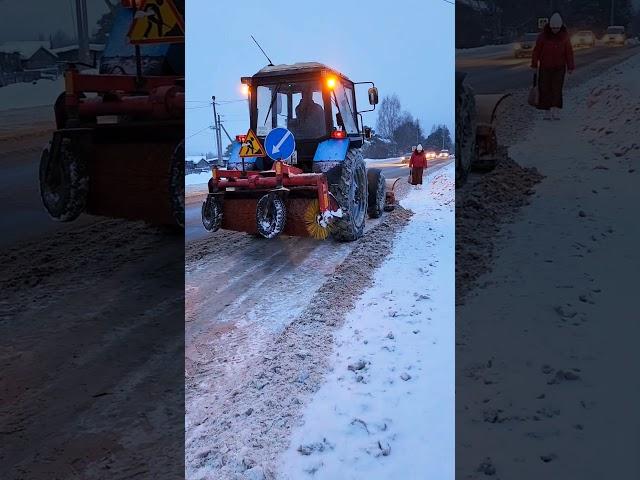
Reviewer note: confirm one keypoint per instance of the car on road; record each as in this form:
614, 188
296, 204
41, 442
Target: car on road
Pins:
616, 36
431, 155
443, 154
524, 48
583, 38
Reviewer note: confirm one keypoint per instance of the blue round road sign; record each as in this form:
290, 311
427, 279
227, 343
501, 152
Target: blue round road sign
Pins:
280, 143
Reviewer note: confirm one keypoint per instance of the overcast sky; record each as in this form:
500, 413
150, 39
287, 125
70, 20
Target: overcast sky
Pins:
404, 46
25, 20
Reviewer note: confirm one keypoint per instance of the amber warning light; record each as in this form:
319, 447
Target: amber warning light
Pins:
241, 138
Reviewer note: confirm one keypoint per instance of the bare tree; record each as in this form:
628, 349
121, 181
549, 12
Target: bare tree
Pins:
389, 116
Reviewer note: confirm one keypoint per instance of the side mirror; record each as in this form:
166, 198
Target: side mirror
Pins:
367, 132
339, 121
278, 104
373, 96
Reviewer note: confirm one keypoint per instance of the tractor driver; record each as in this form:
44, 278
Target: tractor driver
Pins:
310, 115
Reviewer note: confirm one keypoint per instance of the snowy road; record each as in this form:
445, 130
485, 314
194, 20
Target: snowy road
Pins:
245, 299
497, 71
97, 302
26, 218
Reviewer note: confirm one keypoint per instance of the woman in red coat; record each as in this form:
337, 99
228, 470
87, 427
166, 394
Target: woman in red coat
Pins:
417, 164
553, 56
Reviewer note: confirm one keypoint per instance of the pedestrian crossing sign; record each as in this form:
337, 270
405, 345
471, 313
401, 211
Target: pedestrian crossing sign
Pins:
252, 146
157, 21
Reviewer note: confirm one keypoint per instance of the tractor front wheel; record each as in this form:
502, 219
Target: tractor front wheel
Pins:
212, 213
176, 184
64, 181
271, 215
348, 184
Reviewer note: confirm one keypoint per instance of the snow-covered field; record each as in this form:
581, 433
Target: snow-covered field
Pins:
386, 409
24, 95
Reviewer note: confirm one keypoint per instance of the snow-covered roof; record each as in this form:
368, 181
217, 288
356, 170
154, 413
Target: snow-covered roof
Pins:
294, 66
96, 47
478, 5
26, 48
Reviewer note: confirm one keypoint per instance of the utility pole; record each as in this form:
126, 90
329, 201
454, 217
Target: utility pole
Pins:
612, 12
83, 31
217, 128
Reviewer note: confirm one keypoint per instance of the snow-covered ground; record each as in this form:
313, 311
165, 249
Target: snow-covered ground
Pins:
545, 389
201, 178
386, 409
23, 95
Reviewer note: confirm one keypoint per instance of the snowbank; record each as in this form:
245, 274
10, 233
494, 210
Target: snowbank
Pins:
201, 178
386, 409
24, 95
485, 50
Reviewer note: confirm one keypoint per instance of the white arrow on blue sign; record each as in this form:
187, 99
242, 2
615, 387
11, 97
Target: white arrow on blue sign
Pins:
280, 143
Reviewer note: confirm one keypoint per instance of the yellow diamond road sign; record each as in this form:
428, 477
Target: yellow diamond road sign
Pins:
157, 21
252, 146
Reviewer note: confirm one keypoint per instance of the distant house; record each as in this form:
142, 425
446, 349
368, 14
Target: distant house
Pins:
189, 167
34, 55
71, 53
203, 165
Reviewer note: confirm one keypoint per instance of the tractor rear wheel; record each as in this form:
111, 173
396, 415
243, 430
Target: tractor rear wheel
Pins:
465, 131
64, 181
348, 184
377, 192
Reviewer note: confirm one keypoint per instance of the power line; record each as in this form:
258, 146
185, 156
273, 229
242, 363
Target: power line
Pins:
209, 127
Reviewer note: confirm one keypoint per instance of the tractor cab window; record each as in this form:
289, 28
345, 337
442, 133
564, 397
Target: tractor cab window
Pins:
297, 106
307, 119
272, 108
342, 102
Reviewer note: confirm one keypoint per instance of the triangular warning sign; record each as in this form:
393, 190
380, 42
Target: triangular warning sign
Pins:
252, 146
157, 21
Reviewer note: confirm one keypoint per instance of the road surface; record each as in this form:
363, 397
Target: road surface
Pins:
26, 218
91, 331
496, 71
194, 230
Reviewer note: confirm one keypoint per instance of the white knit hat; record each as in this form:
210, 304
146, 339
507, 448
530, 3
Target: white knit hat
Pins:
556, 21
419, 148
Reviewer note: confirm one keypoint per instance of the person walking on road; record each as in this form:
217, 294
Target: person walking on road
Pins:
417, 164
552, 57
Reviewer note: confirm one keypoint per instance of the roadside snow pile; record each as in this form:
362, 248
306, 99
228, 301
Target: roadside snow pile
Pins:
386, 409
201, 178
23, 95
480, 211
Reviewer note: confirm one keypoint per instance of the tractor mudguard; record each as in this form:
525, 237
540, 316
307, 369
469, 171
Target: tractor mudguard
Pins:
330, 153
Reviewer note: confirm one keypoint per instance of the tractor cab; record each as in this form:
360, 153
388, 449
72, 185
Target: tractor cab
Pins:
314, 102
